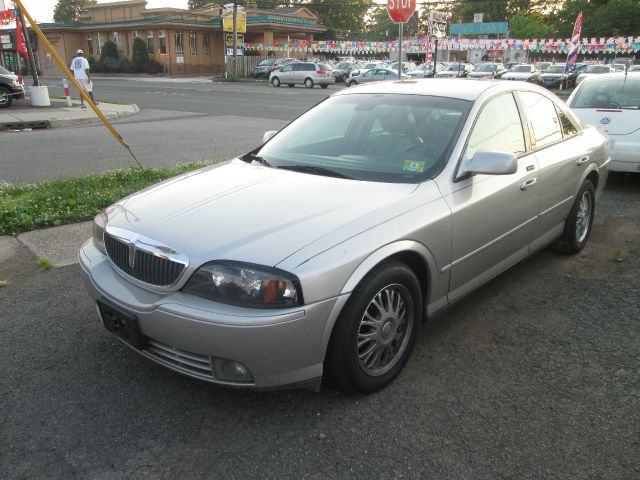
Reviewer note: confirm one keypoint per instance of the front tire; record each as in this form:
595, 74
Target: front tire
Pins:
5, 98
376, 331
308, 83
577, 227
275, 81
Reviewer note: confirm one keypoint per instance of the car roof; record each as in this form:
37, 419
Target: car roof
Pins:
446, 87
607, 76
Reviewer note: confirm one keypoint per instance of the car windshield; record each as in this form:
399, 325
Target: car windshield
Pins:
555, 69
267, 63
456, 67
597, 69
372, 137
521, 68
487, 67
4, 71
620, 92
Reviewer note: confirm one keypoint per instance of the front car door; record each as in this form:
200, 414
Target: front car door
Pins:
286, 73
493, 216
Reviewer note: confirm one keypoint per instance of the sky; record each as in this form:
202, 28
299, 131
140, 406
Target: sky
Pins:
42, 10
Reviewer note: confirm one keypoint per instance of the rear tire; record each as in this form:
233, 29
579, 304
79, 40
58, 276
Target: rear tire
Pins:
275, 81
308, 83
577, 227
376, 330
5, 98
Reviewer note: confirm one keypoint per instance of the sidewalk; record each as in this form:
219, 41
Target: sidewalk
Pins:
22, 115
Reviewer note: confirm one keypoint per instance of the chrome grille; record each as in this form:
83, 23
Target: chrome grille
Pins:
147, 267
180, 359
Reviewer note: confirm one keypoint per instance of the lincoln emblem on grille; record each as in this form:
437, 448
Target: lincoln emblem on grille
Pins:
132, 255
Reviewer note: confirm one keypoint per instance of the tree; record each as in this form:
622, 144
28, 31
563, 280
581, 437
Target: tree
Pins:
340, 22
69, 10
528, 25
140, 56
195, 4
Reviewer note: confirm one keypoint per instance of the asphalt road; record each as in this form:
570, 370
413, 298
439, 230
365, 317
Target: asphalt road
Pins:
179, 122
534, 376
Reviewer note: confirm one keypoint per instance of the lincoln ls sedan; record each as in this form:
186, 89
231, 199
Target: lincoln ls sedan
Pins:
320, 253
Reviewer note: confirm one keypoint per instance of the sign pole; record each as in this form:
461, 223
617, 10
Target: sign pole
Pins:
400, 35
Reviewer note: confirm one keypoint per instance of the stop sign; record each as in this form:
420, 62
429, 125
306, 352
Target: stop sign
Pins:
401, 10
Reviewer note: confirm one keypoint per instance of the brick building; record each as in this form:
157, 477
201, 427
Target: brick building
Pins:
183, 41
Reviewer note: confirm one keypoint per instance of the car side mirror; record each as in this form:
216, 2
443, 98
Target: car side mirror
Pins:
268, 135
489, 163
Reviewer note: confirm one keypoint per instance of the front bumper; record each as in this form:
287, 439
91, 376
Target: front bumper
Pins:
278, 347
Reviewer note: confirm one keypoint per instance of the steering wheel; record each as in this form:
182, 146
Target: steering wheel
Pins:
430, 152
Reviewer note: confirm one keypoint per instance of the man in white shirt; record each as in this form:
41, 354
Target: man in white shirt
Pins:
80, 69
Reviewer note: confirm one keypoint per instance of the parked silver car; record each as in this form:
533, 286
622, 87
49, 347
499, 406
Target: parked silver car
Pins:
303, 73
320, 252
374, 75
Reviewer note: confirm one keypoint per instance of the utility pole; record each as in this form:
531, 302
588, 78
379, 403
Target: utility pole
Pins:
235, 36
400, 35
32, 60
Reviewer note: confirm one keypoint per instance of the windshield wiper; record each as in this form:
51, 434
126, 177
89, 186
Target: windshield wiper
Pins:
255, 158
313, 170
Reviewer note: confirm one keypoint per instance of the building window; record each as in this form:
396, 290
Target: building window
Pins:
162, 40
179, 44
206, 43
116, 40
136, 34
151, 47
98, 44
193, 43
90, 44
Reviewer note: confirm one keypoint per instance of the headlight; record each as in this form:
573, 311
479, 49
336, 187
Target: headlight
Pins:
99, 224
15, 83
245, 285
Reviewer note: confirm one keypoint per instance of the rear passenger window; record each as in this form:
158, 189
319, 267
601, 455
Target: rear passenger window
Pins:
568, 127
309, 67
498, 128
544, 119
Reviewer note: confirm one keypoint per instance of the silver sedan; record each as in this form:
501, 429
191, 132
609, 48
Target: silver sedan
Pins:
321, 252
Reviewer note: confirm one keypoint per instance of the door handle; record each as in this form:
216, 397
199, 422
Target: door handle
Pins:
583, 160
528, 183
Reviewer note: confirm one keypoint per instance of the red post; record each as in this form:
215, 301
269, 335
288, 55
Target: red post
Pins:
67, 94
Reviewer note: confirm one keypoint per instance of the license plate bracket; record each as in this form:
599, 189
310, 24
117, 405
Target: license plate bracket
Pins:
122, 323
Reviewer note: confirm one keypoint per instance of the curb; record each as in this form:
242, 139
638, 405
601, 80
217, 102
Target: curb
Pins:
55, 123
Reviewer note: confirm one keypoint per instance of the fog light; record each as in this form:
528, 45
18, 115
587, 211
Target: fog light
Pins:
231, 371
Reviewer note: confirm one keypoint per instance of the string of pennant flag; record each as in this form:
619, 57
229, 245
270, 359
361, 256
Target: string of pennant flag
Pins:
630, 44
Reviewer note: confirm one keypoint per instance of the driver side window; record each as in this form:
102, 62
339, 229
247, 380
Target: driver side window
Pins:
498, 128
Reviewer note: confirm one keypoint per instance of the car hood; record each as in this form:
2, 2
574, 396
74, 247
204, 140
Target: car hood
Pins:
251, 213
9, 76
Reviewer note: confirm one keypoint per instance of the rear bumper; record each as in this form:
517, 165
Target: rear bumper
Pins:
625, 154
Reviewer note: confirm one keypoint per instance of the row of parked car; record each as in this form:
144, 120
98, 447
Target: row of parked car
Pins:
284, 71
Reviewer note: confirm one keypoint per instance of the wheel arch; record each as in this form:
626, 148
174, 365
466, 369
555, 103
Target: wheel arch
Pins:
416, 256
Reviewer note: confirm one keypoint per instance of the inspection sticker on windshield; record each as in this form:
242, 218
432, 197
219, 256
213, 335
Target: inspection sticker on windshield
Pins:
414, 166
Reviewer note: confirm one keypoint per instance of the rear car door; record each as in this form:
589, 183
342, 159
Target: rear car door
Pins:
560, 150
493, 216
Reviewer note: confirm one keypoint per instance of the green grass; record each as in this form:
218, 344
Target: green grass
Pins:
59, 202
44, 263
4, 283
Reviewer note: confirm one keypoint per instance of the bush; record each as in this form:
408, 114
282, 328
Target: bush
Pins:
140, 57
153, 68
109, 50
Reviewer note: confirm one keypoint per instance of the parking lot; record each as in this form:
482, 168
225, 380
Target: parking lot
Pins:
536, 375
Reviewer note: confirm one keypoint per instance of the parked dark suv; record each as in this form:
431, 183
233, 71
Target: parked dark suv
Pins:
269, 65
10, 88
